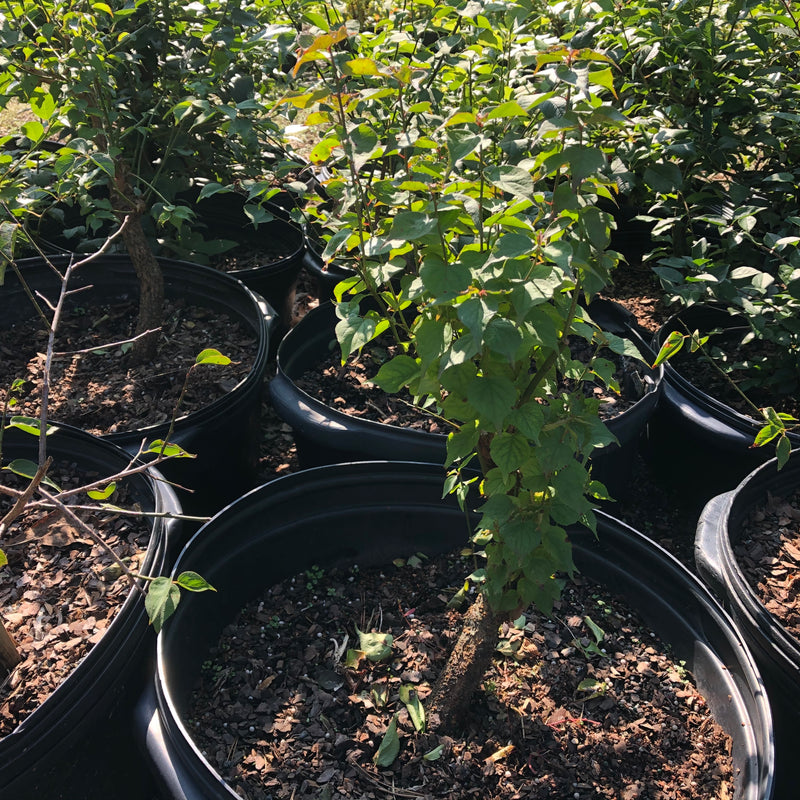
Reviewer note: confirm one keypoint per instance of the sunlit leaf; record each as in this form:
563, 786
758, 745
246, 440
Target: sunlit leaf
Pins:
211, 356
102, 494
193, 582
670, 347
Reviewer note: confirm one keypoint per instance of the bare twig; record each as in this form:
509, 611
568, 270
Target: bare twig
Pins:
24, 497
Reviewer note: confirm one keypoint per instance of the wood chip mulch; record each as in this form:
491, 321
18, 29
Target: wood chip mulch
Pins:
59, 592
99, 391
768, 553
564, 711
350, 388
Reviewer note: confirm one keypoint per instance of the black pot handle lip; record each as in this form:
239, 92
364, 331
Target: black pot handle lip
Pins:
709, 545
151, 741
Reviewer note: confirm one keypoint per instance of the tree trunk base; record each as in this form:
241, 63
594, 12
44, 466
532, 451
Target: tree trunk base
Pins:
470, 658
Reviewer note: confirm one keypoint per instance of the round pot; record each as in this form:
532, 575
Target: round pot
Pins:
280, 243
324, 276
77, 742
695, 442
326, 436
776, 651
225, 434
329, 517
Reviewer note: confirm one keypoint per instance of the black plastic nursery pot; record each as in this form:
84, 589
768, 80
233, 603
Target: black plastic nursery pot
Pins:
325, 435
77, 743
776, 651
696, 443
372, 512
276, 248
324, 275
225, 434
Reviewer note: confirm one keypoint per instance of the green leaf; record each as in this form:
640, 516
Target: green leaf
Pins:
376, 646
193, 582
664, 178
397, 373
353, 658
409, 226
210, 189
512, 179
436, 753
389, 746
670, 347
102, 494
354, 331
26, 468
416, 711
30, 425
504, 337
783, 450
461, 443
493, 398
509, 451
3, 559
361, 66
507, 111
598, 633
170, 449
443, 280
161, 601
105, 162
460, 144
211, 356
42, 104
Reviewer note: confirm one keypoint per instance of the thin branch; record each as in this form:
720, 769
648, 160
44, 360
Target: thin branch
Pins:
24, 497
65, 353
87, 531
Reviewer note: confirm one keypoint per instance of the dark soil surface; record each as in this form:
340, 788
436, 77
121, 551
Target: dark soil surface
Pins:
747, 362
350, 388
59, 591
769, 555
586, 704
100, 391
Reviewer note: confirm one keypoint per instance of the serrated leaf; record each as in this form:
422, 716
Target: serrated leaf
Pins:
509, 451
193, 582
504, 337
389, 746
493, 398
102, 494
395, 374
211, 356
161, 601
